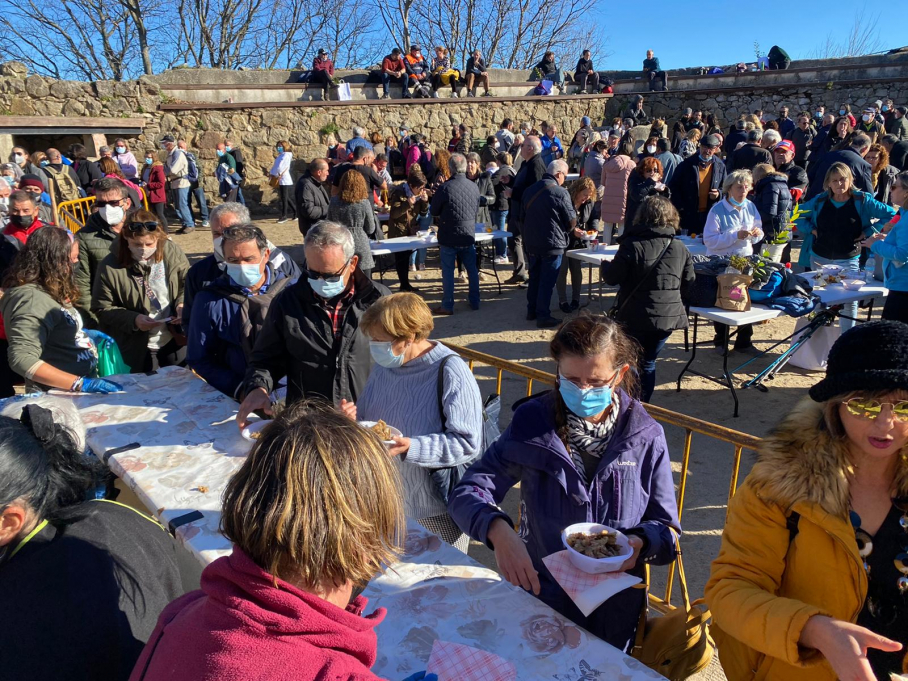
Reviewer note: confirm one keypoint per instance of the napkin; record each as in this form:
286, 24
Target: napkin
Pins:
587, 591
457, 662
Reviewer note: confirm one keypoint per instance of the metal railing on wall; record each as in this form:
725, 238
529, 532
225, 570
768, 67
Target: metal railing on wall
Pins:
74, 214
690, 425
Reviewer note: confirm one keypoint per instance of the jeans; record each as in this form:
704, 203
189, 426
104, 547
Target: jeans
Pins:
448, 258
607, 237
651, 344
849, 309
575, 267
500, 223
418, 257
198, 194
181, 202
386, 79
543, 270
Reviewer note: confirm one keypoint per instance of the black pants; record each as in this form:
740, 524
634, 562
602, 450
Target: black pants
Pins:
515, 244
896, 307
158, 209
402, 265
320, 78
742, 339
657, 77
588, 81
288, 203
169, 355
8, 378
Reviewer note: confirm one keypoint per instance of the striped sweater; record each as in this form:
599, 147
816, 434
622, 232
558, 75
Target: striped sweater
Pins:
407, 399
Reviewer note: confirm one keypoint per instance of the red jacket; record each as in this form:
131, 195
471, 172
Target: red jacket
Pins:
240, 626
156, 184
323, 64
21, 234
389, 64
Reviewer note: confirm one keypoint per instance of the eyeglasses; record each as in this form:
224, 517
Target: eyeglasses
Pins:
602, 384
142, 226
116, 202
330, 277
870, 409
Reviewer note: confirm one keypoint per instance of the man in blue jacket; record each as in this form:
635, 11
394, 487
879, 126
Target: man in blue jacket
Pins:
213, 266
548, 220
230, 311
853, 157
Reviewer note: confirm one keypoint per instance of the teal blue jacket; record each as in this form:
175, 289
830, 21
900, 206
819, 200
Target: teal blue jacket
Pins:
894, 251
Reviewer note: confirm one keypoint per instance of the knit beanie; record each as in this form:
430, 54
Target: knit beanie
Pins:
869, 357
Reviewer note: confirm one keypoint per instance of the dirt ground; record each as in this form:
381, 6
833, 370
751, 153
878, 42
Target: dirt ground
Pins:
499, 328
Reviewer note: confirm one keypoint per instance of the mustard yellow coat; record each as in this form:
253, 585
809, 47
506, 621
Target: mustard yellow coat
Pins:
762, 590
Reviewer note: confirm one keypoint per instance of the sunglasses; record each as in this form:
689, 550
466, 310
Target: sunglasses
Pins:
142, 226
115, 203
870, 409
330, 277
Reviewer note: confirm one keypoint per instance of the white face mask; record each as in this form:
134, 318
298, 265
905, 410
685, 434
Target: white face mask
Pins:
18, 158
142, 252
651, 149
866, 118
112, 215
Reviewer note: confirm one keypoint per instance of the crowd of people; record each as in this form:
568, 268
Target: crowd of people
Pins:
248, 318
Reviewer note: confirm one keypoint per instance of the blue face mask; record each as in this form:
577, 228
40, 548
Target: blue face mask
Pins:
149, 161
705, 160
885, 107
384, 356
280, 150
228, 148
244, 275
43, 164
584, 402
221, 153
121, 150
327, 289
841, 112
736, 203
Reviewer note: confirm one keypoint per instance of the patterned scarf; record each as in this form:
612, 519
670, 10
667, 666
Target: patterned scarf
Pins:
591, 438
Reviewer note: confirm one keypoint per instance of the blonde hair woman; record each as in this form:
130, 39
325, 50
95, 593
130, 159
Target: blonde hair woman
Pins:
426, 391
442, 73
314, 513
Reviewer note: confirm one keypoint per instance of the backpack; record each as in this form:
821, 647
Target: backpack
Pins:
544, 88
65, 187
252, 309
192, 174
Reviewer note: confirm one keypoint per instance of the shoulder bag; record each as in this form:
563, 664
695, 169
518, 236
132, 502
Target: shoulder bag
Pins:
616, 306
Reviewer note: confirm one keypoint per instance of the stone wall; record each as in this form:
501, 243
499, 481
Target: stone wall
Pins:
729, 105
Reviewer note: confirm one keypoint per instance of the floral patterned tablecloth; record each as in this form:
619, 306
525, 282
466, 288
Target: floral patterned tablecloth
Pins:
190, 446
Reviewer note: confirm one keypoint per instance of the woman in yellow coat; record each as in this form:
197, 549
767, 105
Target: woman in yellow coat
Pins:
811, 583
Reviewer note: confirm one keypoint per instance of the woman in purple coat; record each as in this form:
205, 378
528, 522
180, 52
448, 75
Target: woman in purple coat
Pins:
586, 452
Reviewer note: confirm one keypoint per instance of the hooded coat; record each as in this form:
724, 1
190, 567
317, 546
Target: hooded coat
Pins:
246, 624
615, 174
764, 584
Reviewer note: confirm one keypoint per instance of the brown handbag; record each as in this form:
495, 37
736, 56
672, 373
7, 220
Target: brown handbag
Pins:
676, 645
274, 181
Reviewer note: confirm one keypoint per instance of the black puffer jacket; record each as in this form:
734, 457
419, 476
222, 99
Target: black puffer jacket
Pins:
456, 204
749, 157
548, 217
656, 304
297, 341
772, 197
501, 201
638, 188
483, 183
311, 202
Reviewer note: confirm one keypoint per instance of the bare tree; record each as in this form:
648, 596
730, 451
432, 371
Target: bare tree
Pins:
863, 38
89, 39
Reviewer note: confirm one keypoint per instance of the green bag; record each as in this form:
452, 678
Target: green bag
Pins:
110, 361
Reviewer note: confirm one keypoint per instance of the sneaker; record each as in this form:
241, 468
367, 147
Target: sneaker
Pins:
205, 223
282, 221
442, 311
488, 93
502, 260
421, 266
575, 305
746, 349
547, 323
471, 94
386, 96
463, 277
186, 230
436, 95
412, 268
523, 284
516, 279
455, 95
565, 307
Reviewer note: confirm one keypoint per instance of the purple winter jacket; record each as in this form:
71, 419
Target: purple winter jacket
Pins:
632, 490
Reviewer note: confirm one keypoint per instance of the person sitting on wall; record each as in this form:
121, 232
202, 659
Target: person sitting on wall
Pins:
586, 75
547, 69
778, 58
393, 68
653, 72
477, 74
322, 71
417, 68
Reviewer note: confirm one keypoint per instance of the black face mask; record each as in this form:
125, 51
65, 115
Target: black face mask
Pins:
23, 221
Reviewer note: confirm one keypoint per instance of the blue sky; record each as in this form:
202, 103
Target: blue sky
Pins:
677, 31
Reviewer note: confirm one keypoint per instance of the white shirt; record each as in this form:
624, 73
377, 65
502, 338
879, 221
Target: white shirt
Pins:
720, 234
281, 168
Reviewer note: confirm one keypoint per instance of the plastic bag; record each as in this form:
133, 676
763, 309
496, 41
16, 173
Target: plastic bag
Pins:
110, 361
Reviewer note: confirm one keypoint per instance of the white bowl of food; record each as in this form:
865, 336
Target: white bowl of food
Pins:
831, 270
253, 431
585, 541
853, 284
383, 430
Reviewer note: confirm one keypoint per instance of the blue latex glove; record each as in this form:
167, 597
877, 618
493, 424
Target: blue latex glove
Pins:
99, 338
99, 385
422, 676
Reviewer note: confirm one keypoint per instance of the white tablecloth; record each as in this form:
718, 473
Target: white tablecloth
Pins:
411, 243
190, 447
607, 253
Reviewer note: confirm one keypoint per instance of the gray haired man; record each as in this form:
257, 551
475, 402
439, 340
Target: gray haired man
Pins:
311, 332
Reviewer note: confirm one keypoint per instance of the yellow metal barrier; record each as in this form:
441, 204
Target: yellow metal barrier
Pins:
740, 441
74, 214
